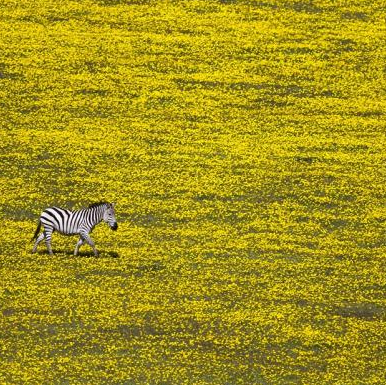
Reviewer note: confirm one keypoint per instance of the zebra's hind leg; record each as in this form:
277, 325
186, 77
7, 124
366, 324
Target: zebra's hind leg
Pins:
48, 233
80, 243
38, 240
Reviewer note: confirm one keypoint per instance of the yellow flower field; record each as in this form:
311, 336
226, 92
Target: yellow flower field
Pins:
244, 143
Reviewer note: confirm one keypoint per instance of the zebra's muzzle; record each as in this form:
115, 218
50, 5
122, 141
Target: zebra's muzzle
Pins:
114, 226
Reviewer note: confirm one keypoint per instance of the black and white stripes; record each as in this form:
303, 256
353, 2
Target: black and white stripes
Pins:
76, 222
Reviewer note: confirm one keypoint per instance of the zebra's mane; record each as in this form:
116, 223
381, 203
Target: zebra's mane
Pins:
96, 204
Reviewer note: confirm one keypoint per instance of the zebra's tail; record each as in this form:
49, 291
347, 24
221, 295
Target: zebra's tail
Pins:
37, 231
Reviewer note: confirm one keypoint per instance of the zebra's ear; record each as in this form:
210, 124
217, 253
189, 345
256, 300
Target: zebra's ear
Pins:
113, 205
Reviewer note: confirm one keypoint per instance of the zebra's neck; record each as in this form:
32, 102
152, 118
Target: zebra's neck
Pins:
98, 213
94, 215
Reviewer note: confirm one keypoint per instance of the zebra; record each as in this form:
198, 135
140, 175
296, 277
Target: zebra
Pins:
79, 222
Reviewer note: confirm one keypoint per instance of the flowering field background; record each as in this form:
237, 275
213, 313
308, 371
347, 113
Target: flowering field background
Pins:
244, 143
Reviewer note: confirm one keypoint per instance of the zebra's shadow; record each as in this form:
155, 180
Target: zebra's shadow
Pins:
82, 254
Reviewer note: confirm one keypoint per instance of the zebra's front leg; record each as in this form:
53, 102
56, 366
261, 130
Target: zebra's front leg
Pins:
38, 240
80, 243
89, 241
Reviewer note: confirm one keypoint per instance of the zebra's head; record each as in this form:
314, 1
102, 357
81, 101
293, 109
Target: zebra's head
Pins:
109, 216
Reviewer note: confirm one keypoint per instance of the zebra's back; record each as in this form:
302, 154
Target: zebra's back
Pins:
62, 220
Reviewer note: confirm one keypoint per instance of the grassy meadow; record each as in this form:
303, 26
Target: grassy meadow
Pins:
244, 144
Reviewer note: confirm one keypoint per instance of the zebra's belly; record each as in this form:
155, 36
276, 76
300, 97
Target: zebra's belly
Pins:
67, 234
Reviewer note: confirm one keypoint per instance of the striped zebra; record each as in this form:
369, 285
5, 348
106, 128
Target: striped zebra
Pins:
80, 222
